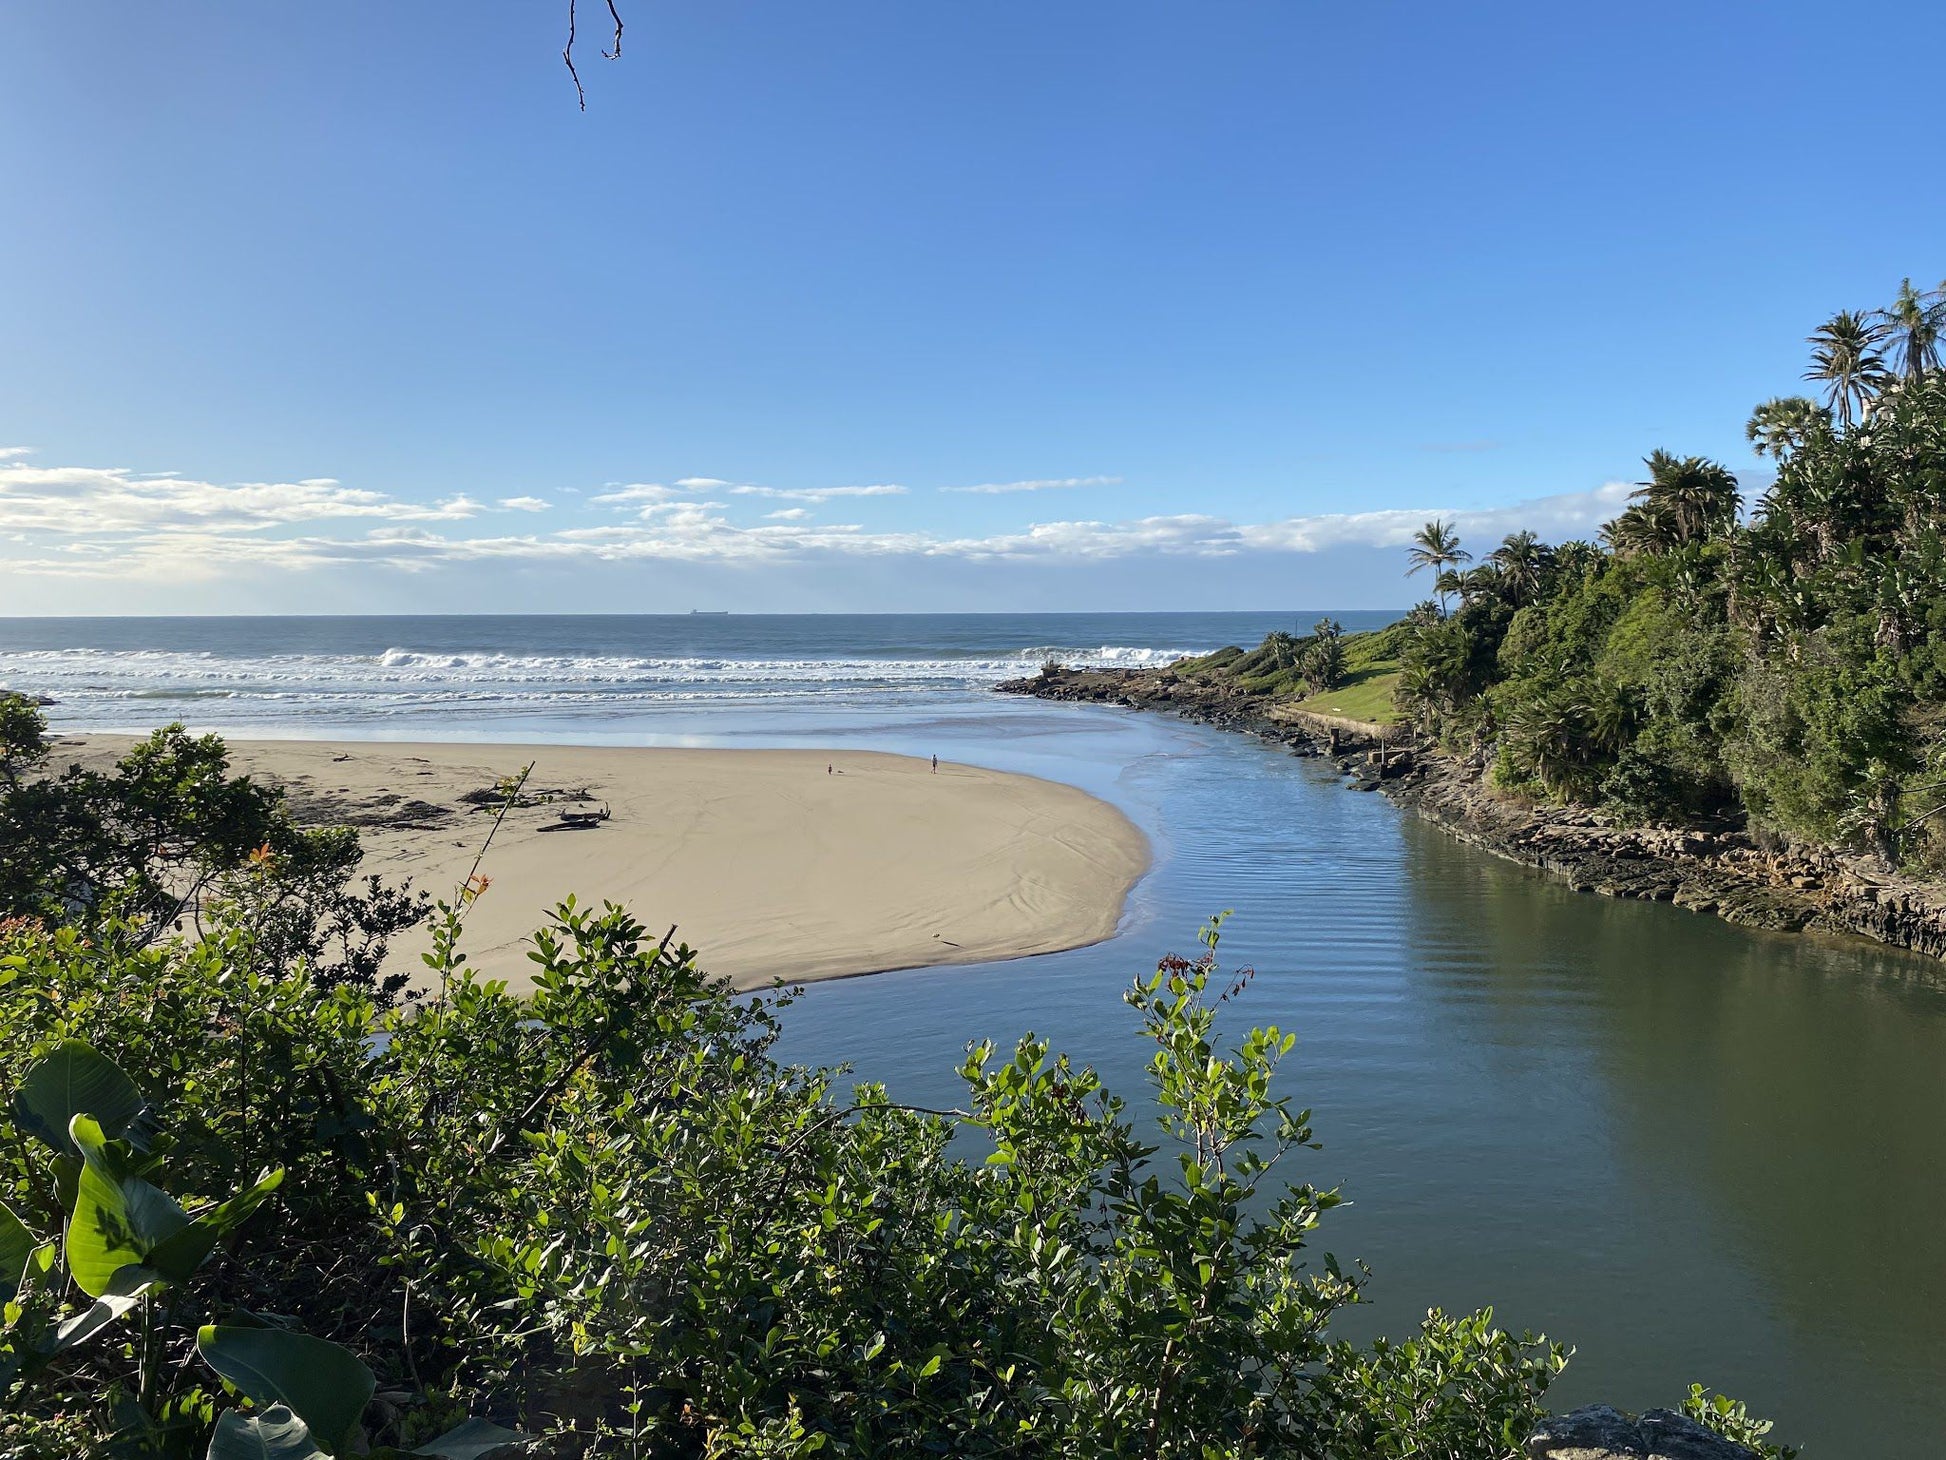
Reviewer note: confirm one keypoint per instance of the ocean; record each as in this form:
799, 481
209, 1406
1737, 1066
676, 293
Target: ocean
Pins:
645, 678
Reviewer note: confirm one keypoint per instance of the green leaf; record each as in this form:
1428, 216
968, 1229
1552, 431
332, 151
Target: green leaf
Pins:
276, 1434
119, 1218
67, 1176
472, 1439
17, 1246
324, 1384
177, 1257
85, 1325
74, 1080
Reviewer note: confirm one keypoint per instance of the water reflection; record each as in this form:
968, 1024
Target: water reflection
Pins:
1697, 1152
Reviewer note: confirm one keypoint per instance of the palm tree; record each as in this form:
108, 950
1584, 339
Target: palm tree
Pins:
1576, 559
1524, 562
1693, 495
1914, 324
1438, 675
1549, 732
1782, 424
1828, 505
1480, 581
1639, 530
1844, 355
1436, 546
1323, 664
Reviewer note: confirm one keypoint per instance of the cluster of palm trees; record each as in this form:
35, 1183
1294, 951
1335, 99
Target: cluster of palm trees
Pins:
1686, 499
1320, 660
1855, 355
1838, 576
1323, 662
1517, 572
1855, 523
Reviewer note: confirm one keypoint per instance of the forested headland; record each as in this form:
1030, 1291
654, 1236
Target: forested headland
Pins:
1769, 663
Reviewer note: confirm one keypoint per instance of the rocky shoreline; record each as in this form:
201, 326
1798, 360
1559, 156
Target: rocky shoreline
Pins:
1723, 871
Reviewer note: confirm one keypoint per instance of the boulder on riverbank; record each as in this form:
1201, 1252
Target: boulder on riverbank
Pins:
1600, 1433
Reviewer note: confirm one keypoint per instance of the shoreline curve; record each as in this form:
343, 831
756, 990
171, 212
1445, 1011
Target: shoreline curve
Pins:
776, 865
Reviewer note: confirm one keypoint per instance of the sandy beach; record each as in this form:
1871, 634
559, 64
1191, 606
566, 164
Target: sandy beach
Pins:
775, 864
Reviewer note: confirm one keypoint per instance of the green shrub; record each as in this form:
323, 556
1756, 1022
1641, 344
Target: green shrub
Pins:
604, 1212
303, 1219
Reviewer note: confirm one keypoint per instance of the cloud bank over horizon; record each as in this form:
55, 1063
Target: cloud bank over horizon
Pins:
68, 531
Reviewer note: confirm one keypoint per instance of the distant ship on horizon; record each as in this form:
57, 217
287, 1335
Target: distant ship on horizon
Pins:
709, 612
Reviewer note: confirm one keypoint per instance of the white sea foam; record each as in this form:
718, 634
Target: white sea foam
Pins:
276, 687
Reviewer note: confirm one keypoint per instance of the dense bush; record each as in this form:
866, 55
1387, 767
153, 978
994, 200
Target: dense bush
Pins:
1787, 670
144, 848
605, 1213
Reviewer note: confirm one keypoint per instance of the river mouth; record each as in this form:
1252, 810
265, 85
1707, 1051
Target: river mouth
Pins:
1697, 1152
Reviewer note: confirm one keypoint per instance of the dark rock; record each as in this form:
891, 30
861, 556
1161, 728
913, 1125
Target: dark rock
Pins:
1600, 1433
1741, 875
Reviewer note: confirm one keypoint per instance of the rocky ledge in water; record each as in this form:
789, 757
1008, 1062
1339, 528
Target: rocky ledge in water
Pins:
1720, 870
1601, 1433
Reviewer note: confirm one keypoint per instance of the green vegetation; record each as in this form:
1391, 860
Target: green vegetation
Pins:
1327, 670
1783, 671
256, 1207
160, 839
1370, 680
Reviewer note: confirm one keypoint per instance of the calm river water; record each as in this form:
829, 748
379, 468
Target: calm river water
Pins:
1693, 1151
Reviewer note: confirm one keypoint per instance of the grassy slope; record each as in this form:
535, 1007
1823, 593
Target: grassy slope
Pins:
1372, 671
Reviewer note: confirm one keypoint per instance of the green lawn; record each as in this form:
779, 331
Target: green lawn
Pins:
1371, 671
1366, 694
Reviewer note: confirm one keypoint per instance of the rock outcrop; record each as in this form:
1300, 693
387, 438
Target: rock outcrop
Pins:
1600, 1433
1718, 870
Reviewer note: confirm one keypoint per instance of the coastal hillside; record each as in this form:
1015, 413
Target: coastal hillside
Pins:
1733, 670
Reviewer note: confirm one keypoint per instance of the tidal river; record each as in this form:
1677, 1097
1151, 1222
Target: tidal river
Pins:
1695, 1152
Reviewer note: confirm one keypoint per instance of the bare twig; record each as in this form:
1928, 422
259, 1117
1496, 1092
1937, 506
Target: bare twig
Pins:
613, 52
508, 804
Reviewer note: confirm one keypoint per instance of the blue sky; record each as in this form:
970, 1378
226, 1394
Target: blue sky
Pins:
348, 308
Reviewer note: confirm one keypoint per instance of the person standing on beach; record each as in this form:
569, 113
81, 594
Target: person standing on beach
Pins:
935, 765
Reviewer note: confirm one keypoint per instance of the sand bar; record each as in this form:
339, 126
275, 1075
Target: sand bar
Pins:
768, 862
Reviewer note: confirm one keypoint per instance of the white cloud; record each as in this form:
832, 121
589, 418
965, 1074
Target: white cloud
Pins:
85, 522
1568, 514
817, 496
95, 500
634, 494
12, 453
1039, 484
